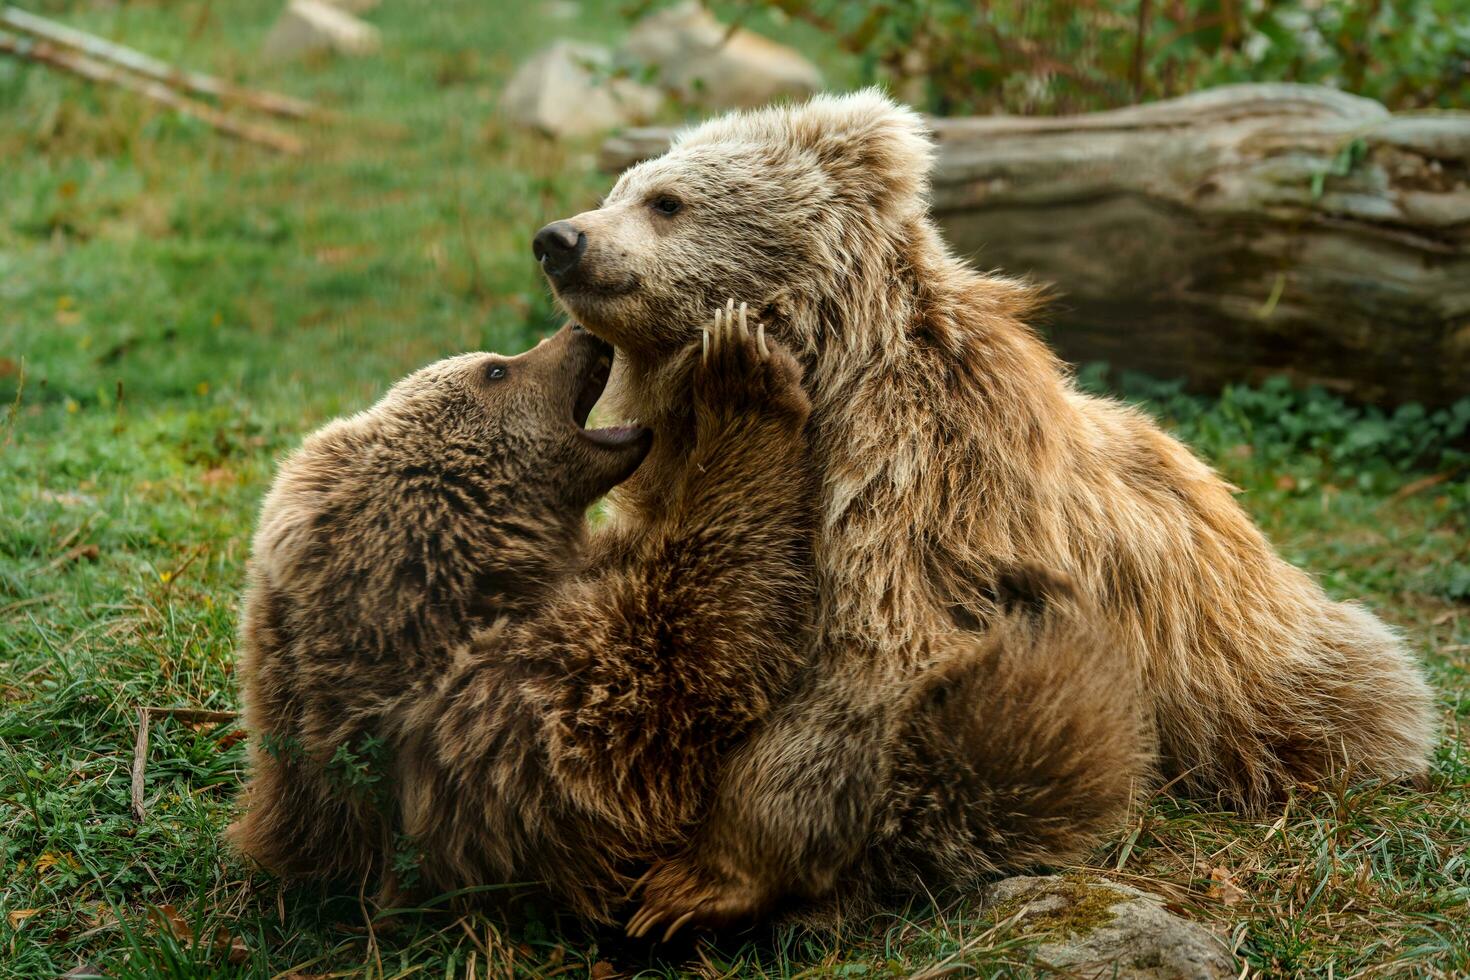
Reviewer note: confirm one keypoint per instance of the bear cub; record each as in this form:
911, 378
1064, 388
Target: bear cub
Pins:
445, 689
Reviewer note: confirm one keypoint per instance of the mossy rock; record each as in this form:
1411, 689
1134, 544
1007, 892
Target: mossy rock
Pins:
1093, 928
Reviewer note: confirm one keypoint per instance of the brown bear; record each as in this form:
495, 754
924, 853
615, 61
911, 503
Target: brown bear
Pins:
438, 679
950, 442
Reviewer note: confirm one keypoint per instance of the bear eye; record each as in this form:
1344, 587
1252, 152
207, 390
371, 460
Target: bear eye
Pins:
496, 372
667, 206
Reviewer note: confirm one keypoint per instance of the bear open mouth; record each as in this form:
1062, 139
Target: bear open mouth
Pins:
612, 437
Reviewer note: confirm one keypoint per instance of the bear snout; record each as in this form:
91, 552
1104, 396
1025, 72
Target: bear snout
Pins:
559, 247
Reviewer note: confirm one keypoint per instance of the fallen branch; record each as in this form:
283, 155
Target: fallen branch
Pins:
140, 744
193, 716
140, 764
1420, 485
149, 67
46, 53
89, 552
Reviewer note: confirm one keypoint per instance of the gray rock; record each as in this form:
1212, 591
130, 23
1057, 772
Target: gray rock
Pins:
308, 26
354, 6
567, 90
1095, 928
701, 59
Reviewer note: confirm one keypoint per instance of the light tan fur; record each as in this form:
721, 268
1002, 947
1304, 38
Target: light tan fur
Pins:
951, 444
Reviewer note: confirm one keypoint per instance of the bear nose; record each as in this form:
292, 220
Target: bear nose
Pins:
558, 247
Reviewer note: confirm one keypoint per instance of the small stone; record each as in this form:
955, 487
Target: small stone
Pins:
354, 6
308, 26
708, 64
569, 90
1097, 929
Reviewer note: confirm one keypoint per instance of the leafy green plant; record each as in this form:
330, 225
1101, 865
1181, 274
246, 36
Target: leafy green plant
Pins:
1285, 427
978, 56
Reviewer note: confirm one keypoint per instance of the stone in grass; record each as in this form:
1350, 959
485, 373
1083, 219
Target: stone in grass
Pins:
1102, 929
569, 90
707, 64
309, 26
355, 6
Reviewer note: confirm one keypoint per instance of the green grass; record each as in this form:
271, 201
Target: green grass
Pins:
176, 309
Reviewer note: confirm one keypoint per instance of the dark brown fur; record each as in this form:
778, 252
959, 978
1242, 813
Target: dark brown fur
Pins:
1009, 752
575, 735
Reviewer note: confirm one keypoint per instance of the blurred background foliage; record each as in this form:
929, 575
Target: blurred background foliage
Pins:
979, 56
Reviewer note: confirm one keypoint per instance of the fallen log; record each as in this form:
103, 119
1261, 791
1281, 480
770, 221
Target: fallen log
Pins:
149, 67
1228, 235
76, 63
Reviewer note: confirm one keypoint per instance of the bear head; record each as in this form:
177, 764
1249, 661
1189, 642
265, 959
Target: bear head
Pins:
787, 208
465, 486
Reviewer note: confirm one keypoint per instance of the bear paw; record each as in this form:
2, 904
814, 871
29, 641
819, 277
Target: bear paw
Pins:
743, 370
682, 893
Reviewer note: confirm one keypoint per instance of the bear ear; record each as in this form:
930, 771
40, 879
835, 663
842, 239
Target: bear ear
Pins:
873, 151
871, 147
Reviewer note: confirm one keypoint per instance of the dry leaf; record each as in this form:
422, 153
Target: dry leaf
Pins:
1223, 888
216, 476
231, 737
18, 916
238, 951
602, 970
49, 860
167, 917
87, 971
88, 552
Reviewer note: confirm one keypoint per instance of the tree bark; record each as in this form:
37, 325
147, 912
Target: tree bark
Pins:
1228, 235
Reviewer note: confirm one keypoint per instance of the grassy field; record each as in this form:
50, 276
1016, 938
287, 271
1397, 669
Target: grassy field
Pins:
177, 309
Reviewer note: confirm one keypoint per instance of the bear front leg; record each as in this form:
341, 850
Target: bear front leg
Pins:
794, 808
1016, 749
655, 668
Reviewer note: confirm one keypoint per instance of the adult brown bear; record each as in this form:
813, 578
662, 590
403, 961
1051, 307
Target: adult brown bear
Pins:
951, 444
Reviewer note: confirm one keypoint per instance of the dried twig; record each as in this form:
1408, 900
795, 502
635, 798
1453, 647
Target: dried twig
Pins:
140, 763
140, 745
193, 716
89, 552
46, 53
149, 67
1419, 486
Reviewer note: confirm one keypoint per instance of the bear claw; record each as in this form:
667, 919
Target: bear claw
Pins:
680, 894
728, 320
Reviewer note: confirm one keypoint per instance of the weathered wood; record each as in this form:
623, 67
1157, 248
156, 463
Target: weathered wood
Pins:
83, 66
150, 67
1227, 235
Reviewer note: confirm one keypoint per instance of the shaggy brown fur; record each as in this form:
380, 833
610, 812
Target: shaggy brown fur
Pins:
574, 736
950, 444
